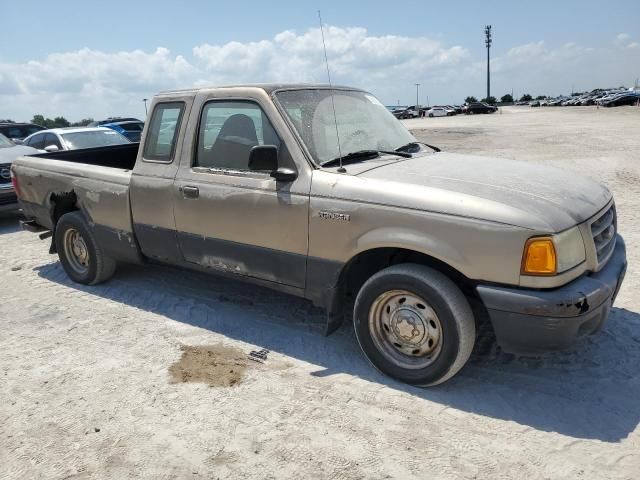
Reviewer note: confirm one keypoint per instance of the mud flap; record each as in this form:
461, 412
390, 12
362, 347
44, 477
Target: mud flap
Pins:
334, 320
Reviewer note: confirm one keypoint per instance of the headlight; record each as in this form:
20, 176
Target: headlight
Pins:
553, 254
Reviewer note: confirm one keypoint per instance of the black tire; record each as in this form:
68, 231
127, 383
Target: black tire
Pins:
99, 266
443, 297
431, 115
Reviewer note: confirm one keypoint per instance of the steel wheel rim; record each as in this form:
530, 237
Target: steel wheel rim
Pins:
405, 329
76, 251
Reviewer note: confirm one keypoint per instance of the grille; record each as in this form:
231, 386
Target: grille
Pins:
603, 231
5, 174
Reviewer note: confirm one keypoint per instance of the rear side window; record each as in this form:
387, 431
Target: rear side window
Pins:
37, 141
162, 136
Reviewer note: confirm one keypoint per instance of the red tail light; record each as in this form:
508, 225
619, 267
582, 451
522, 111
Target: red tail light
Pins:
14, 181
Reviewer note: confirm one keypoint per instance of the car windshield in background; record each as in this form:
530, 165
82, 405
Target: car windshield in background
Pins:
5, 142
363, 122
78, 140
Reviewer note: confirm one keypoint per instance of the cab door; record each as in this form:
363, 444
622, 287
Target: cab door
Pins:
234, 219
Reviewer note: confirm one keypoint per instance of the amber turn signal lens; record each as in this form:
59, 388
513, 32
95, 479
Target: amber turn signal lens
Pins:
539, 257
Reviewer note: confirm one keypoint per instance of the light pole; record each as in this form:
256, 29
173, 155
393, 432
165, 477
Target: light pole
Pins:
417, 95
146, 114
487, 42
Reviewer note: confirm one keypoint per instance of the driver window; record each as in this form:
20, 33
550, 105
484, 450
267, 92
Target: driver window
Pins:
228, 132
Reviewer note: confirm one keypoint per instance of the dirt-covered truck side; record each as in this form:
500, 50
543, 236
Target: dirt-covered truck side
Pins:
268, 184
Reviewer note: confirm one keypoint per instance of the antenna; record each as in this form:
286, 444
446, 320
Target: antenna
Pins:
341, 169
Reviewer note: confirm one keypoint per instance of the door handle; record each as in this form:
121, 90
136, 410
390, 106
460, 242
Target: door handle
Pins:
190, 192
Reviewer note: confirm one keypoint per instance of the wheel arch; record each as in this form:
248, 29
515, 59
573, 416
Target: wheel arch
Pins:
362, 265
60, 204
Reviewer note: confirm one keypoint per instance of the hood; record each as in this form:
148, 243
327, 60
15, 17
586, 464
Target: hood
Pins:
508, 191
9, 154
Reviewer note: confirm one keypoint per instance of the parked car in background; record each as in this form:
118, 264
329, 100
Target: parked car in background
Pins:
131, 129
9, 151
628, 98
74, 138
17, 132
100, 123
409, 112
479, 107
437, 112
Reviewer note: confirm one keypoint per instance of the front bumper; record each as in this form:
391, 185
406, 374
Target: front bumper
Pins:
8, 198
529, 322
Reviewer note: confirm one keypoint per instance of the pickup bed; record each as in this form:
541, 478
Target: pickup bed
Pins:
320, 192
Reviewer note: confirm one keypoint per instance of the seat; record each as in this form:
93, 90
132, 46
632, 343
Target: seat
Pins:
233, 145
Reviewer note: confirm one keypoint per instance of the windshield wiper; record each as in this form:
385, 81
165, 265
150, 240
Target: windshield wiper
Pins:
411, 144
362, 155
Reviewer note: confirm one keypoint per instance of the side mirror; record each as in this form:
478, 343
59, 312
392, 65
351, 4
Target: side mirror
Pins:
284, 174
17, 141
263, 158
51, 148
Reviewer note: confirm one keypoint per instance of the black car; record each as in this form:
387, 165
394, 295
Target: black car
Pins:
18, 131
623, 99
479, 107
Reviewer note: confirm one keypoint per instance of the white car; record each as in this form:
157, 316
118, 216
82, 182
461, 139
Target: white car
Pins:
438, 112
74, 138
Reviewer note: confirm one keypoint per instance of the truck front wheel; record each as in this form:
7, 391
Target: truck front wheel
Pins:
80, 255
414, 324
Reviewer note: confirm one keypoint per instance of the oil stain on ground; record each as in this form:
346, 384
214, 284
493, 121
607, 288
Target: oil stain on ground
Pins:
215, 365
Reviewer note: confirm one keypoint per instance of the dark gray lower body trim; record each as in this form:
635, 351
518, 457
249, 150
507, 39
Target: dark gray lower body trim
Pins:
264, 263
534, 321
119, 245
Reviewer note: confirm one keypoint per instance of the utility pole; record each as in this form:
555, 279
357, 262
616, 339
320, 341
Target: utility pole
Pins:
487, 42
417, 96
146, 114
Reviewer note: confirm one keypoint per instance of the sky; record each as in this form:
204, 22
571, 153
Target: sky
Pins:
83, 59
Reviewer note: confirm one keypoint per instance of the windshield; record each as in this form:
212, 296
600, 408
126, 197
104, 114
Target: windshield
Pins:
93, 139
363, 122
5, 142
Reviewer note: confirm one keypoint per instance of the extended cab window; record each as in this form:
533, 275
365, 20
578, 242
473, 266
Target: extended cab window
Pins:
163, 132
228, 132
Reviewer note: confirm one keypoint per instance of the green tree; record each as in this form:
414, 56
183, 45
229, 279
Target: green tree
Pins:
82, 123
470, 100
541, 97
490, 100
526, 98
60, 122
39, 120
506, 98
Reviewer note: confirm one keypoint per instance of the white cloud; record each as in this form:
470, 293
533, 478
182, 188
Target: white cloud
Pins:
94, 83
621, 38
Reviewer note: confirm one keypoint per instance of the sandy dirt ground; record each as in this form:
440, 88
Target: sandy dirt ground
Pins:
149, 375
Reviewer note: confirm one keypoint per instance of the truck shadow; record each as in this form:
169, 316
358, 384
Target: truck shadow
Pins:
591, 392
9, 222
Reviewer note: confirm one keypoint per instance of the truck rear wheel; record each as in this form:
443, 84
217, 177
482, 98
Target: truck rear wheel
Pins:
414, 324
80, 255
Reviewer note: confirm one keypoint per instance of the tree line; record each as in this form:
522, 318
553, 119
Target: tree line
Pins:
57, 122
508, 98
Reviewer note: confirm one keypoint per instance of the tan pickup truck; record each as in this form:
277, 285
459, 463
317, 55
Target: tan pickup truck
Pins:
320, 192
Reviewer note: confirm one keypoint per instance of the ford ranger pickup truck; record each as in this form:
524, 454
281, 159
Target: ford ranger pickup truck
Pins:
320, 192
